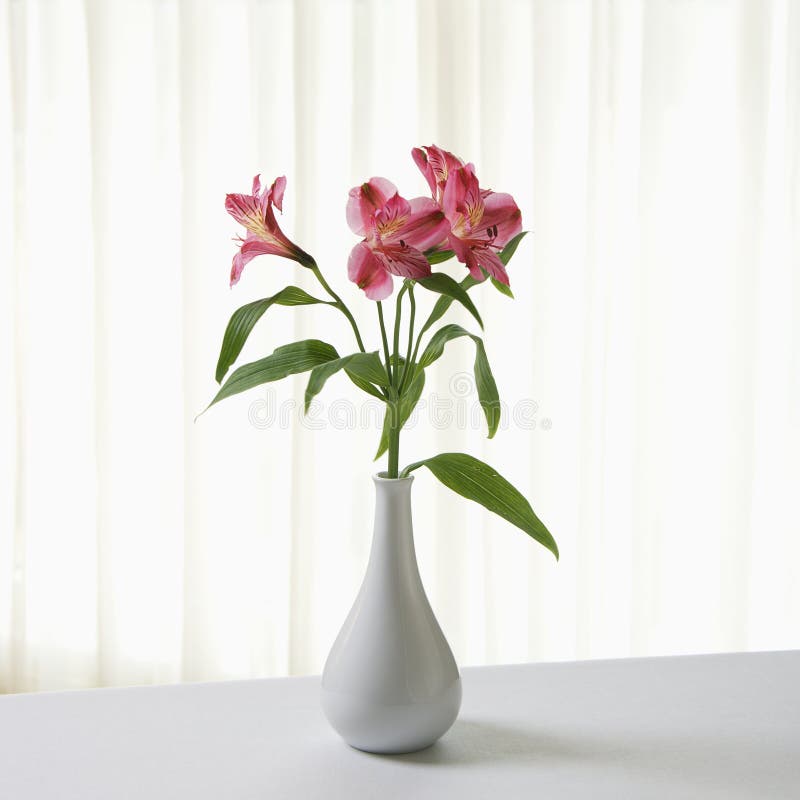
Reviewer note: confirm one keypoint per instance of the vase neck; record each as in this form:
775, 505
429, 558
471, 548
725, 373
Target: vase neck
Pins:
393, 534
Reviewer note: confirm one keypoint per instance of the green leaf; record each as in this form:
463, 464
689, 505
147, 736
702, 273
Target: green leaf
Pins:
444, 302
365, 386
477, 481
484, 380
502, 288
245, 318
365, 366
505, 254
438, 256
404, 408
443, 284
284, 361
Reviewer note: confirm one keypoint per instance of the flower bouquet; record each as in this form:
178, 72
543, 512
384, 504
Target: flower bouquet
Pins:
390, 683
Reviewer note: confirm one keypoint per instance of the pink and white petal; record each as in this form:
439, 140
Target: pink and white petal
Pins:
254, 246
405, 262
473, 199
501, 210
380, 190
355, 218
442, 162
250, 248
365, 200
368, 273
424, 166
392, 215
244, 208
455, 193
276, 192
426, 226
465, 255
487, 259
257, 184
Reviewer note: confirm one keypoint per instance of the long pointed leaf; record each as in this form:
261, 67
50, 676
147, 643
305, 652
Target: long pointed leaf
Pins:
438, 256
365, 386
443, 284
244, 319
479, 482
366, 366
484, 380
444, 302
284, 361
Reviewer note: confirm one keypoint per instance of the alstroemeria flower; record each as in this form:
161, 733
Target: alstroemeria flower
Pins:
481, 221
396, 231
264, 236
435, 164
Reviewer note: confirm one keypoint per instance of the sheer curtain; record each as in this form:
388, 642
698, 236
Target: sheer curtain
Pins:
650, 365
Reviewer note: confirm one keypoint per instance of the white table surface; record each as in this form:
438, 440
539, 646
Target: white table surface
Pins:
690, 727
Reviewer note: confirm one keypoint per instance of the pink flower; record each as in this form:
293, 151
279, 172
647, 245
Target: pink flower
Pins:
396, 231
481, 221
264, 236
435, 164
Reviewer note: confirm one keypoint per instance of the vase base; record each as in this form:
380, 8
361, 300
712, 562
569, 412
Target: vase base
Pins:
373, 727
392, 752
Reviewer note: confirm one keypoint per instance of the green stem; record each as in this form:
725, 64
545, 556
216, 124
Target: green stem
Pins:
398, 311
393, 401
385, 341
416, 346
394, 439
339, 303
409, 360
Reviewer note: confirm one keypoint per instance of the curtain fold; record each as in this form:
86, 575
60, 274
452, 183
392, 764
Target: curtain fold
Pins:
649, 366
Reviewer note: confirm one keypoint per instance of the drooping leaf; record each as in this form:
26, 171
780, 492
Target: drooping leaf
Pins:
479, 482
438, 256
289, 359
403, 409
364, 366
244, 319
443, 284
488, 395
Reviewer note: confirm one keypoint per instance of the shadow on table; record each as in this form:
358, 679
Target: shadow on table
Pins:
733, 768
470, 742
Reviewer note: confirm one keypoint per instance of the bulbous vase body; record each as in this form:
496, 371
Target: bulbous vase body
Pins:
391, 684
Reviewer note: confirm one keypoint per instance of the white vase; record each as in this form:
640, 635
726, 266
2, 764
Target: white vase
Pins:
391, 684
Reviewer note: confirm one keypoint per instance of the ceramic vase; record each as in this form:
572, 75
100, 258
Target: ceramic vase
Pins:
391, 684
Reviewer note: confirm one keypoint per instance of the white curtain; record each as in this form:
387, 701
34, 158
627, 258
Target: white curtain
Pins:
650, 365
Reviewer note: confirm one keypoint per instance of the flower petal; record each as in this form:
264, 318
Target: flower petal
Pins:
276, 192
501, 210
477, 258
490, 261
424, 166
435, 164
369, 273
424, 227
392, 216
250, 248
462, 195
364, 200
464, 254
403, 261
244, 208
